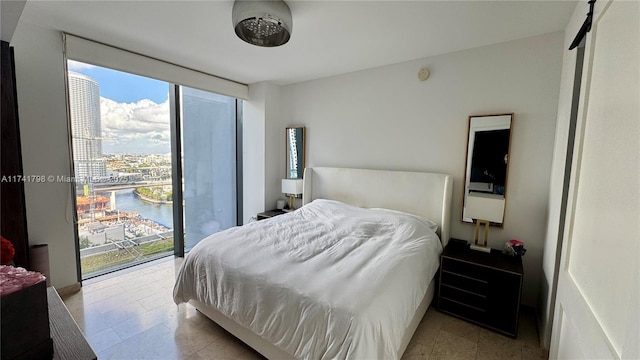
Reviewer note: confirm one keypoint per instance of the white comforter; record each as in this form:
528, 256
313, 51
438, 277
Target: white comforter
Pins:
327, 281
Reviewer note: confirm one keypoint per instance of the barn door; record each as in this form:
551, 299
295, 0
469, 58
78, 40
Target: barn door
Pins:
597, 312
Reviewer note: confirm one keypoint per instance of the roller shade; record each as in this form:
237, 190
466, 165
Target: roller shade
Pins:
91, 52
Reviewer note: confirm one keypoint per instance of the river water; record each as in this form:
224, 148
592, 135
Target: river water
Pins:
160, 213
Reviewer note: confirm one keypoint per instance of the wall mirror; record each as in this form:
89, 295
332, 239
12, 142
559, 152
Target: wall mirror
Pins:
294, 140
486, 168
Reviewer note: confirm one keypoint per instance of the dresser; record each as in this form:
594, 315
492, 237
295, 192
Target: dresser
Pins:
68, 341
483, 288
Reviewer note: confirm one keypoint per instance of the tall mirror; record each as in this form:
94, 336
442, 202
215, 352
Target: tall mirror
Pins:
486, 168
294, 152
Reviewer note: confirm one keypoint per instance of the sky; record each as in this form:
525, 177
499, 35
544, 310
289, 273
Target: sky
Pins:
134, 111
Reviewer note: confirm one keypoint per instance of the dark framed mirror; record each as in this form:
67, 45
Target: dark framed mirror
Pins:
295, 152
486, 168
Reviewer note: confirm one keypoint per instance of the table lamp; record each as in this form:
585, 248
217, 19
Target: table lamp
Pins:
293, 188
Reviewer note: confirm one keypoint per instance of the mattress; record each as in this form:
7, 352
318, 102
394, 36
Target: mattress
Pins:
327, 281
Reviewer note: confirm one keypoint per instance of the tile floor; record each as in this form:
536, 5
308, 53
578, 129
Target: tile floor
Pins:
131, 315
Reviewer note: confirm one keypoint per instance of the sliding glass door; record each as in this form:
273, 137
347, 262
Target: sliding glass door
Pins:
208, 126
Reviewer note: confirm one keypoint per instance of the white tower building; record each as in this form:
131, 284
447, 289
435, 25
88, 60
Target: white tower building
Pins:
84, 104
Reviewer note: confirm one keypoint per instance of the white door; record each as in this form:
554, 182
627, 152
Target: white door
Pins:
597, 313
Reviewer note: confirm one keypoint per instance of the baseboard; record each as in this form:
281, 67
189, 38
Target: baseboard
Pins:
69, 290
533, 311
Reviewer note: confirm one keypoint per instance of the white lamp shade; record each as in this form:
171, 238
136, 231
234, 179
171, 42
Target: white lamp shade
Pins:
292, 186
484, 207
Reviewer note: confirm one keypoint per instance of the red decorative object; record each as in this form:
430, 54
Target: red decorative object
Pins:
6, 251
514, 248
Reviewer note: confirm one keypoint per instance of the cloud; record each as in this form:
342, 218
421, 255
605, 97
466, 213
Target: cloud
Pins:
141, 127
78, 66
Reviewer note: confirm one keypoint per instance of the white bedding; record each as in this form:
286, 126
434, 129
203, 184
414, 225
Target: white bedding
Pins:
327, 281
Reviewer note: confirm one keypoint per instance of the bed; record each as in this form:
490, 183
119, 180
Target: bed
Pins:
348, 275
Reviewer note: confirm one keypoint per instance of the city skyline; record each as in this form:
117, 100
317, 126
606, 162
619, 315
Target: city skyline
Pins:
134, 111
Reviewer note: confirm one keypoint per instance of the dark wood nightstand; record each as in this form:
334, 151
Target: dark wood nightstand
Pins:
483, 288
269, 214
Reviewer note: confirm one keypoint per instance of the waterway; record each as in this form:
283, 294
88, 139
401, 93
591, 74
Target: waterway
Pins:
161, 213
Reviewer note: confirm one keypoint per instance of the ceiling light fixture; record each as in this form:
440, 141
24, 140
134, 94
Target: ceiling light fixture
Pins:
264, 23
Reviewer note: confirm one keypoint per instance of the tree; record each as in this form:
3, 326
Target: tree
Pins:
84, 242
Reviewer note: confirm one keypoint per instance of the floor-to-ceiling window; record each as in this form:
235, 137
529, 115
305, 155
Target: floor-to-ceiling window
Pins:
125, 166
121, 145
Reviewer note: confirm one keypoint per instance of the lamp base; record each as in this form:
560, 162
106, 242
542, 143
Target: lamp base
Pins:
480, 222
480, 248
292, 202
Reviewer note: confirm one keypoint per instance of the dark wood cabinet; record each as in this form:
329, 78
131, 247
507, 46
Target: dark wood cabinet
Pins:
68, 341
13, 212
483, 288
269, 214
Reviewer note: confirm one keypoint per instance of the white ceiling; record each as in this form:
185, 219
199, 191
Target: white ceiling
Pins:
328, 37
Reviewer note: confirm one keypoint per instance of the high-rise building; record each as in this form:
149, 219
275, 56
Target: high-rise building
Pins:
84, 105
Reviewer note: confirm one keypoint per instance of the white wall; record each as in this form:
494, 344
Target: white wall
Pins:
260, 140
11, 12
253, 150
385, 118
45, 148
545, 311
274, 153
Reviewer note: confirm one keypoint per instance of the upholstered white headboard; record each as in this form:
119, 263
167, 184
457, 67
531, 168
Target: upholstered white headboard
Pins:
424, 194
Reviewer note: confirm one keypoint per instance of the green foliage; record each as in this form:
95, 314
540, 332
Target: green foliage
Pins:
155, 193
114, 258
84, 242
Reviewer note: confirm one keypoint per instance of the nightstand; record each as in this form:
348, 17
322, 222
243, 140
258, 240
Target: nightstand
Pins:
270, 214
480, 287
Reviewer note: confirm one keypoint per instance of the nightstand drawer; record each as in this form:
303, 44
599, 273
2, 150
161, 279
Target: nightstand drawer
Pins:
464, 282
463, 296
462, 310
474, 271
